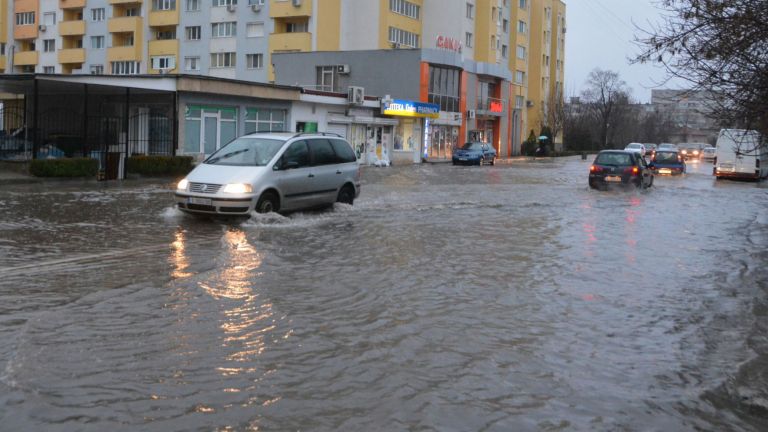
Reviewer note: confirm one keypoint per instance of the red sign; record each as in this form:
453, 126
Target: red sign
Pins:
496, 106
447, 43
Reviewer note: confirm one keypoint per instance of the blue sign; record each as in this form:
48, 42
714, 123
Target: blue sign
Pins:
406, 108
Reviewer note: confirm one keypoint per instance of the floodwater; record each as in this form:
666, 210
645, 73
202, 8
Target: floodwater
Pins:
505, 298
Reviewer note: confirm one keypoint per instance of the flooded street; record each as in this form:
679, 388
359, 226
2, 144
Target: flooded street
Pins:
503, 298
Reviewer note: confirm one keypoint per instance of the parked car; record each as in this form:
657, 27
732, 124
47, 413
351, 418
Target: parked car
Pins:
669, 162
619, 167
740, 154
708, 153
474, 153
272, 172
636, 147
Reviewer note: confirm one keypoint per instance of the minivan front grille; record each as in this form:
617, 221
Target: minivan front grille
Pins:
204, 188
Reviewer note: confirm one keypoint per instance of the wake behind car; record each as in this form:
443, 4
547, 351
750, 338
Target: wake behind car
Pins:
620, 168
272, 172
668, 162
474, 153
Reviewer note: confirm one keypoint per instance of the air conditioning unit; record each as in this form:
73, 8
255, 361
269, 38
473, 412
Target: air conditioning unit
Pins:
342, 69
231, 8
356, 95
255, 7
297, 3
471, 114
43, 27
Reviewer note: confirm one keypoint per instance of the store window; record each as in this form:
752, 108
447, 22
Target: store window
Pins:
444, 87
208, 128
406, 138
264, 120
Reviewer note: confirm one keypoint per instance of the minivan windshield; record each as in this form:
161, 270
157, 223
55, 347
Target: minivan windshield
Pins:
246, 152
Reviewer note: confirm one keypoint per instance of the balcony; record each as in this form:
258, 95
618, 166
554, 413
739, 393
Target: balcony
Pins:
491, 107
21, 32
124, 2
287, 9
290, 42
71, 4
2, 63
164, 47
25, 58
72, 28
124, 53
72, 55
124, 25
163, 18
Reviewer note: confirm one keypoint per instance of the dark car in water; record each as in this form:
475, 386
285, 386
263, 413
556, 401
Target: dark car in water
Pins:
619, 168
474, 153
668, 162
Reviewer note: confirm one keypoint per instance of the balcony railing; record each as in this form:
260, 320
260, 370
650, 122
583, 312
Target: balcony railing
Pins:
491, 107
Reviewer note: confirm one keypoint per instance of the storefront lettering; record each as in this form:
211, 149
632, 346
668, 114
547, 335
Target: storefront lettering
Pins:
405, 108
448, 43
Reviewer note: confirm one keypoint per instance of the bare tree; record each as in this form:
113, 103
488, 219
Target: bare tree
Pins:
553, 113
604, 95
719, 46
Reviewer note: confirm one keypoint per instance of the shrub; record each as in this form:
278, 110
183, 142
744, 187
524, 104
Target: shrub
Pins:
159, 165
65, 167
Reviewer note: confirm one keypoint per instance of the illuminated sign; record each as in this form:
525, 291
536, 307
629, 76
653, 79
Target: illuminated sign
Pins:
405, 108
448, 43
496, 106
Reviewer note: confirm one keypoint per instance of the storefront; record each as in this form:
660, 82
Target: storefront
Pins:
411, 132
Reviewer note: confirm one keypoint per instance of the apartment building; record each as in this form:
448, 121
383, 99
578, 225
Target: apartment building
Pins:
490, 66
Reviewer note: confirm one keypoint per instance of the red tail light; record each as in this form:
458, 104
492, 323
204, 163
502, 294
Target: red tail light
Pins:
593, 168
635, 170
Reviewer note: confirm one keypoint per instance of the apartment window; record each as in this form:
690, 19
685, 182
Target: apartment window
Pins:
132, 12
493, 42
519, 101
504, 51
522, 27
256, 2
224, 2
327, 78
125, 67
223, 60
192, 63
523, 4
2, 48
505, 25
468, 40
163, 62
444, 87
163, 5
193, 32
521, 52
400, 37
49, 69
49, 45
193, 5
520, 77
254, 30
406, 8
224, 29
98, 14
470, 11
264, 120
254, 61
97, 69
25, 18
97, 42
49, 18
297, 27
165, 34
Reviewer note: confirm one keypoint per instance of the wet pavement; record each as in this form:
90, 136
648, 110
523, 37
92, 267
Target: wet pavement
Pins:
447, 298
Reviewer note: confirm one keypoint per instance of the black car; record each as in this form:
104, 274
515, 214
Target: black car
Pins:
621, 168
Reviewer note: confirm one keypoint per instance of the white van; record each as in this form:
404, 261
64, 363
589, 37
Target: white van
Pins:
740, 153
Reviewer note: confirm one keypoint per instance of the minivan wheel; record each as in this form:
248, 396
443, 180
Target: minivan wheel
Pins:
346, 195
268, 202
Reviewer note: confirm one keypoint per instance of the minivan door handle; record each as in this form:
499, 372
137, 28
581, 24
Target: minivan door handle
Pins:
338, 171
311, 175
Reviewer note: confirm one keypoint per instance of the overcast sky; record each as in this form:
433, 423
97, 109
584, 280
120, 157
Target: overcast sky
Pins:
600, 34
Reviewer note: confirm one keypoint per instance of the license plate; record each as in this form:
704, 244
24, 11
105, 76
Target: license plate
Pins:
665, 171
199, 201
462, 159
726, 167
612, 178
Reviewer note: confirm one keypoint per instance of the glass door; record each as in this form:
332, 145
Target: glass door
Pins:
210, 133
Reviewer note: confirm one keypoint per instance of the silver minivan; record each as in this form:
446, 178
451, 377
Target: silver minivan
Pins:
272, 172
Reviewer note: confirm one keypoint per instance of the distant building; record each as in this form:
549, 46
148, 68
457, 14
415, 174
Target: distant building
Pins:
690, 112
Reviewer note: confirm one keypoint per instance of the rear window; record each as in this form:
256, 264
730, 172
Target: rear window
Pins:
344, 152
617, 159
666, 157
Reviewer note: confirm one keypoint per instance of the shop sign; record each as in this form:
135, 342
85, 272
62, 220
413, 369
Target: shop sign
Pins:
406, 108
496, 107
448, 43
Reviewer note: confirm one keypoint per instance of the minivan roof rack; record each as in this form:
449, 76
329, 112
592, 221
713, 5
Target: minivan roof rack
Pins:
317, 133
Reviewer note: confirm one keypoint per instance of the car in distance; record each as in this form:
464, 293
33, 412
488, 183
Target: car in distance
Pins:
272, 172
667, 146
650, 149
691, 150
708, 153
474, 153
636, 147
619, 167
669, 162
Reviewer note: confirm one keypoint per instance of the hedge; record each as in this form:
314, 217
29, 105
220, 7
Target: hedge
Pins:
66, 167
159, 165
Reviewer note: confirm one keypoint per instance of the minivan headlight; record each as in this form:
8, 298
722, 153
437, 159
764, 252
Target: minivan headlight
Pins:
237, 188
182, 184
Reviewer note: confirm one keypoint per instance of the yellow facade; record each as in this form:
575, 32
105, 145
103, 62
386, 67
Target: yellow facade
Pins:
71, 4
26, 31
164, 18
26, 58
72, 28
3, 34
71, 55
286, 9
329, 25
389, 19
